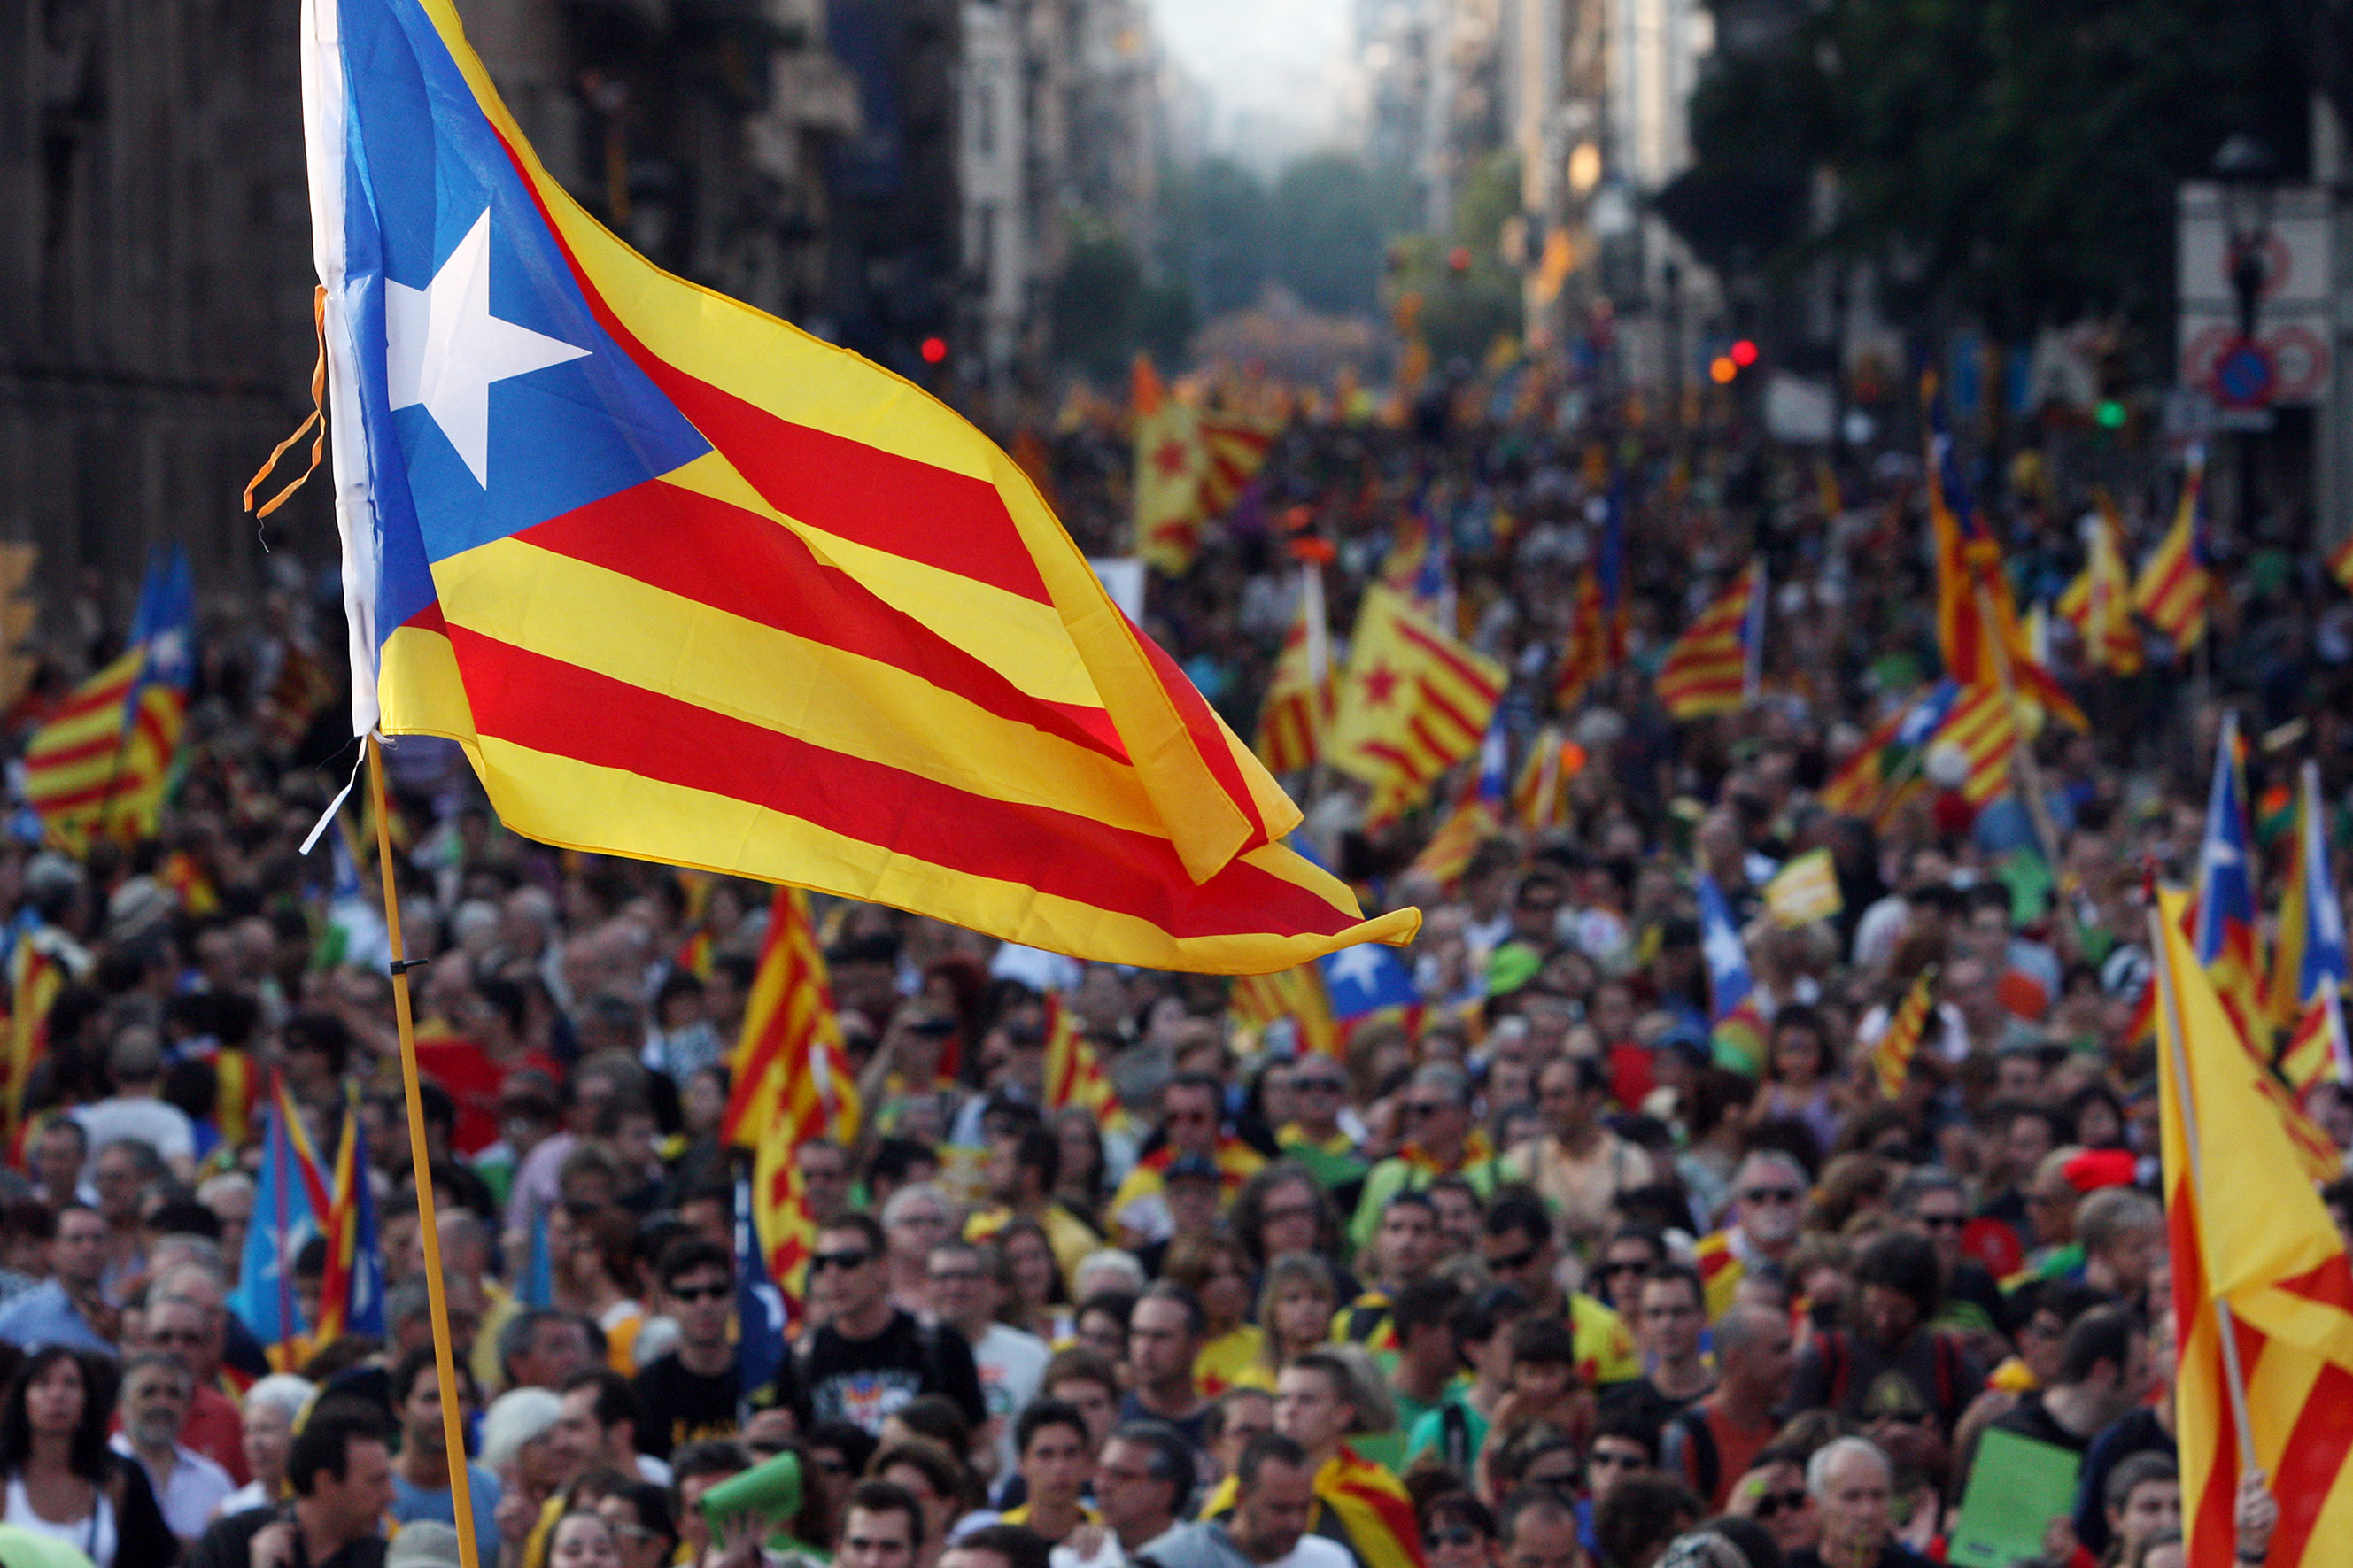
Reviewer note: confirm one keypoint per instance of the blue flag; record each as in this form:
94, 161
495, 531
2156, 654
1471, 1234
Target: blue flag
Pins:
282, 1223
759, 1305
365, 1314
538, 1270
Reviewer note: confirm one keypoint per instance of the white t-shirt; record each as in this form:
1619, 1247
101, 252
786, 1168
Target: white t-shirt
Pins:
162, 1128
1011, 1364
1315, 1551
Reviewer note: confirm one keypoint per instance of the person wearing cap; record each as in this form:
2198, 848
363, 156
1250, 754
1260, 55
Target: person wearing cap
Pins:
1192, 1122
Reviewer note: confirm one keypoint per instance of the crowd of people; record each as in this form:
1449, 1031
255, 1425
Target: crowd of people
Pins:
1526, 1274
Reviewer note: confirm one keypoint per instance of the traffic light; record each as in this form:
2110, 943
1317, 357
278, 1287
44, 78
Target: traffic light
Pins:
935, 349
1743, 353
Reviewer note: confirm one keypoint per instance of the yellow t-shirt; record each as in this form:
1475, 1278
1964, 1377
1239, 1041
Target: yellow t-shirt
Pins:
1228, 1359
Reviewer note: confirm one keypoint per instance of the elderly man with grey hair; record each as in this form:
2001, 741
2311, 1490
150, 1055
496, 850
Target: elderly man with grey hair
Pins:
1435, 1136
1768, 1204
1852, 1486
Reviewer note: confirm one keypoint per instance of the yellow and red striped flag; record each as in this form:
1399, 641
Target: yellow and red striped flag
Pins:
1234, 447
1983, 730
35, 978
1891, 1053
2174, 584
1297, 710
692, 585
2098, 603
1260, 1000
1412, 703
2249, 1237
1586, 657
791, 1083
1539, 798
97, 770
1713, 666
1075, 1073
1171, 462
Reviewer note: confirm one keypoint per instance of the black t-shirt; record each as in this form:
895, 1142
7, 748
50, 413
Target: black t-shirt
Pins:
1193, 1429
2030, 1417
863, 1381
228, 1542
1643, 1400
680, 1407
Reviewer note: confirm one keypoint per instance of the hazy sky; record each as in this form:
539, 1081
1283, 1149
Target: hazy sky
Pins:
1267, 66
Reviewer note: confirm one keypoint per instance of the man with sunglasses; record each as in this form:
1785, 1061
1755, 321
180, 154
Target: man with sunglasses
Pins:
1769, 1198
868, 1357
692, 1392
1437, 1137
1522, 1250
1316, 1136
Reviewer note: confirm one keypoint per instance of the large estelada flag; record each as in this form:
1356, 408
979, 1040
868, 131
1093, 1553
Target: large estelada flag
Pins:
1412, 703
1713, 666
2247, 1230
99, 767
689, 584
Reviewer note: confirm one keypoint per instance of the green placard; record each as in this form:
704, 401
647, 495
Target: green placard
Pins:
2017, 1487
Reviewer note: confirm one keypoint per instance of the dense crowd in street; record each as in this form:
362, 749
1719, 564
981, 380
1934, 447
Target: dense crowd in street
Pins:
1528, 1272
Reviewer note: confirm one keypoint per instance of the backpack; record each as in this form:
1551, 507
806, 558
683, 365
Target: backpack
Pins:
1699, 1442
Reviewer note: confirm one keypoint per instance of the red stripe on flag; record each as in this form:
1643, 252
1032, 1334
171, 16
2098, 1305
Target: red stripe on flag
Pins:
738, 562
2312, 1462
907, 507
549, 706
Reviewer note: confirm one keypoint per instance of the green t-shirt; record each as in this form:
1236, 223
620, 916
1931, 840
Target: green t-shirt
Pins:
1430, 1430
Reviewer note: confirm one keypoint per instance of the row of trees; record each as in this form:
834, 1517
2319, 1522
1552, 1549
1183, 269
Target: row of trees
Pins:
2009, 162
1319, 228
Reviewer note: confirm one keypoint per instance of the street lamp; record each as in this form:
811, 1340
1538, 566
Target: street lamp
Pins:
2244, 168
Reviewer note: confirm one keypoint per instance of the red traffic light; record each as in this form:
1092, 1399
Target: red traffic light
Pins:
1459, 258
1743, 353
935, 349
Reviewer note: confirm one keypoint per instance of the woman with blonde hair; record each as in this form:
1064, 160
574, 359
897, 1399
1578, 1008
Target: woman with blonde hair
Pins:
1294, 1315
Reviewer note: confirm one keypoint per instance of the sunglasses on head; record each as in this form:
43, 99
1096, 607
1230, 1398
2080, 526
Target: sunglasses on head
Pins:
821, 1261
1771, 1503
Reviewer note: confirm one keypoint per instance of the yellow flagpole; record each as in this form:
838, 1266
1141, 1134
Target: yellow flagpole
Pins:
453, 1429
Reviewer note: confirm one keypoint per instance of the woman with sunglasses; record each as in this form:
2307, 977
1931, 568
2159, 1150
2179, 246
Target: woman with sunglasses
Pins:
642, 1524
1773, 1493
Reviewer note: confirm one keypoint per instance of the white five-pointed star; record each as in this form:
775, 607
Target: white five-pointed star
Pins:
1724, 952
1359, 966
443, 348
